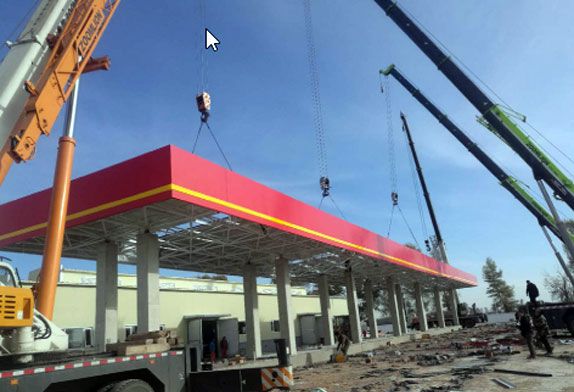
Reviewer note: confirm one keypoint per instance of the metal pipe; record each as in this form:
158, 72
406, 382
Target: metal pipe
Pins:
57, 217
71, 111
564, 233
558, 256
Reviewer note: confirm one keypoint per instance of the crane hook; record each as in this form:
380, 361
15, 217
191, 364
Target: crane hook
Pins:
203, 105
325, 186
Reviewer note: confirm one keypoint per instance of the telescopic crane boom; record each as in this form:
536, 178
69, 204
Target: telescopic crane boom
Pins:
542, 166
67, 33
426, 194
508, 182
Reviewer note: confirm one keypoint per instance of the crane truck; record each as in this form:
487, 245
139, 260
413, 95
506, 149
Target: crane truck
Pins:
37, 77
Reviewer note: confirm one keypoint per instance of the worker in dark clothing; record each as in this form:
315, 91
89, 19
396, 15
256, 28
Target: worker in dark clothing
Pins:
526, 330
224, 346
212, 352
343, 342
532, 291
542, 331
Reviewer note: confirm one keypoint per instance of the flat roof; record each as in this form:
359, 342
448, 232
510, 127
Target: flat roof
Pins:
210, 219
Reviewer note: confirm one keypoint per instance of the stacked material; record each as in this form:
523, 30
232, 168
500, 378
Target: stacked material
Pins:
145, 343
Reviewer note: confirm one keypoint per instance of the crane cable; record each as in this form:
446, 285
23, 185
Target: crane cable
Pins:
13, 35
318, 124
203, 98
504, 103
417, 189
385, 90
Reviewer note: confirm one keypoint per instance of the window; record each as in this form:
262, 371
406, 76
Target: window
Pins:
242, 327
80, 338
130, 330
275, 326
89, 337
6, 278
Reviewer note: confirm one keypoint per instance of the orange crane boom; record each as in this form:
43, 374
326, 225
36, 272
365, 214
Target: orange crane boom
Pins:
71, 55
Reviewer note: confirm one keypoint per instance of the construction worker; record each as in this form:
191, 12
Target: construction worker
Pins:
542, 331
532, 292
343, 342
212, 352
224, 346
526, 330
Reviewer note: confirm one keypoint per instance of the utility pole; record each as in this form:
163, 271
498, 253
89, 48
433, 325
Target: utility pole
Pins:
438, 235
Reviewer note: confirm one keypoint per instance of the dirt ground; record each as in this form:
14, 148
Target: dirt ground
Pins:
463, 360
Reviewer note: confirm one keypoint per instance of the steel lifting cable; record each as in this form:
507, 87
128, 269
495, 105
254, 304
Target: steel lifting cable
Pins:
203, 98
391, 150
417, 189
385, 89
408, 226
13, 34
203, 75
315, 86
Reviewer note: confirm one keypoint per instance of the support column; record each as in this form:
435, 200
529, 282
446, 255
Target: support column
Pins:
439, 308
286, 323
148, 282
453, 306
326, 313
401, 308
393, 306
106, 295
352, 305
421, 314
251, 301
370, 302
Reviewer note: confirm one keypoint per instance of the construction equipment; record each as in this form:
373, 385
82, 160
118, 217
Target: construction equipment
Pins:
439, 240
48, 58
500, 122
544, 218
508, 182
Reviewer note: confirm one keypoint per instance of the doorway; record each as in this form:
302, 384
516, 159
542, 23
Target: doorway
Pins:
208, 334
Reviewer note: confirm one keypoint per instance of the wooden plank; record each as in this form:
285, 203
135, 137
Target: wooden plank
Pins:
144, 349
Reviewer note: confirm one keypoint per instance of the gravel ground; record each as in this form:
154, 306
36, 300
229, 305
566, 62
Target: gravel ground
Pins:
458, 361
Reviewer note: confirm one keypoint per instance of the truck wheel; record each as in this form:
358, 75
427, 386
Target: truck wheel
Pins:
107, 388
570, 325
132, 385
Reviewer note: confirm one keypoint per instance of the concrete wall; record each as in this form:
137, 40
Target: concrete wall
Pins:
75, 307
84, 277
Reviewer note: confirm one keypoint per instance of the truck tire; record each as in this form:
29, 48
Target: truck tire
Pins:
570, 324
132, 385
107, 388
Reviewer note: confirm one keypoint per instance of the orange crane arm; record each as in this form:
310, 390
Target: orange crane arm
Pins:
70, 56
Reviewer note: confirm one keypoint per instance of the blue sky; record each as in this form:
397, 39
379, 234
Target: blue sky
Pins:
262, 112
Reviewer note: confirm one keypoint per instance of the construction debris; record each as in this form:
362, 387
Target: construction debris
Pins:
504, 383
522, 373
462, 360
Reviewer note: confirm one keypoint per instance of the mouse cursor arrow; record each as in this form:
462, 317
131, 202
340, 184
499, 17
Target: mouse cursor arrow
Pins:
211, 41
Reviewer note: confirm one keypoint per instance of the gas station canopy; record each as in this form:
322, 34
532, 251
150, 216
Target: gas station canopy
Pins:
209, 219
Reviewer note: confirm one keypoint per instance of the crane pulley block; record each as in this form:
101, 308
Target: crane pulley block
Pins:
395, 198
203, 105
325, 186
